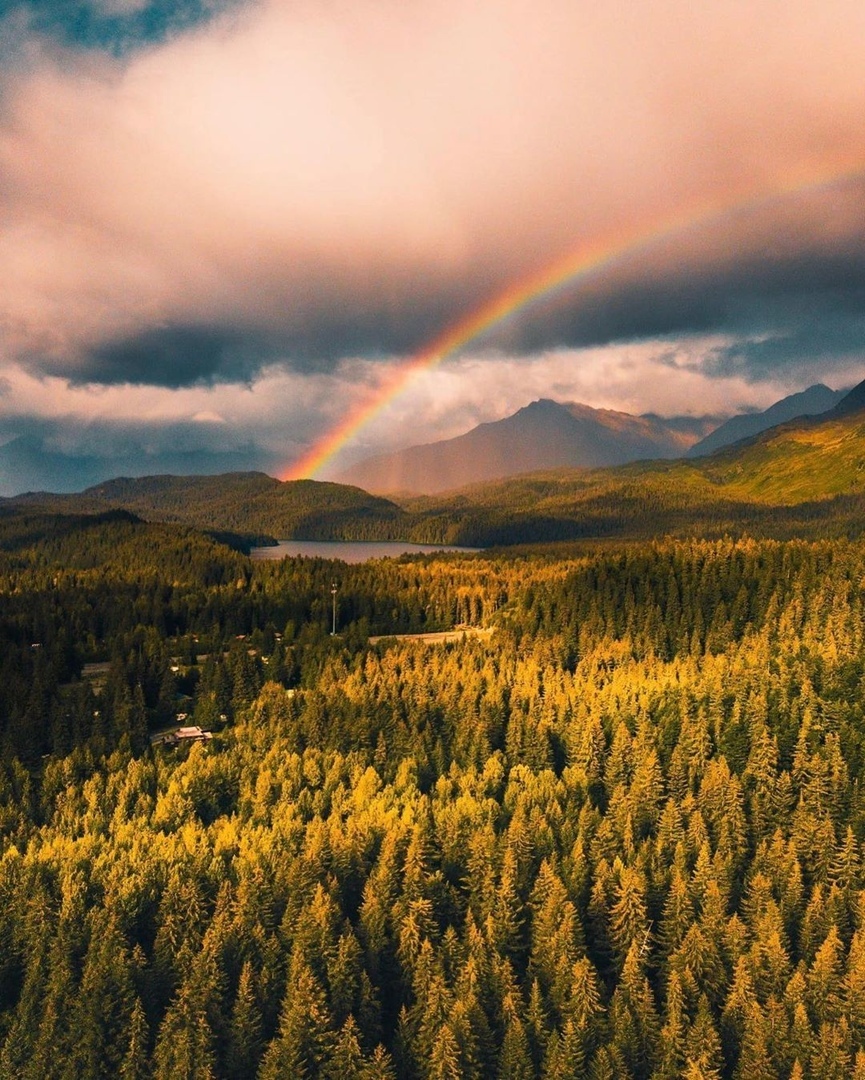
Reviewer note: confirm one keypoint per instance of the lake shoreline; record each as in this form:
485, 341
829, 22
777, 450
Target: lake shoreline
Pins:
352, 551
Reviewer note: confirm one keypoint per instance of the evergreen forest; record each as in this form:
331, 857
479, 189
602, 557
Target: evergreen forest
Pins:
618, 837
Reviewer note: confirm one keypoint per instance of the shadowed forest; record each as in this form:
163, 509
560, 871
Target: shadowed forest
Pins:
621, 837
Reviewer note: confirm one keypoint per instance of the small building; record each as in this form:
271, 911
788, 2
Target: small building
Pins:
192, 734
183, 735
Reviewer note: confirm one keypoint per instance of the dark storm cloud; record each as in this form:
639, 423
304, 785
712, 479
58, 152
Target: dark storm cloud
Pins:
788, 306
708, 304
747, 274
801, 316
173, 356
205, 355
799, 348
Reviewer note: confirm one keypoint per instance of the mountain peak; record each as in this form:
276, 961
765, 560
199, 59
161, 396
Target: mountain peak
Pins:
816, 400
852, 402
545, 434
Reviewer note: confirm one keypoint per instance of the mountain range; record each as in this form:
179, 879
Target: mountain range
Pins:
548, 434
805, 478
543, 435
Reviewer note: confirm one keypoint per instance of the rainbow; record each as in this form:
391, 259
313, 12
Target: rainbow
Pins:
567, 270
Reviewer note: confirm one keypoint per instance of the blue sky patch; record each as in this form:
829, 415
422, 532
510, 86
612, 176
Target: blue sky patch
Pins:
116, 26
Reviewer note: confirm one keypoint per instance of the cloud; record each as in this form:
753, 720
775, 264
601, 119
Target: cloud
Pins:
223, 222
803, 347
76, 434
298, 183
171, 356
278, 412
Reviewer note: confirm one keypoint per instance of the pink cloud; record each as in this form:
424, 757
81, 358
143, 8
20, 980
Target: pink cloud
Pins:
300, 165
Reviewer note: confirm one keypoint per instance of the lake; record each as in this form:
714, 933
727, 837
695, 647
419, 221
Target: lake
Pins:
349, 551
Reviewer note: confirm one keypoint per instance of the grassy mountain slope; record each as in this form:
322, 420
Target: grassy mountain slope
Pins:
799, 461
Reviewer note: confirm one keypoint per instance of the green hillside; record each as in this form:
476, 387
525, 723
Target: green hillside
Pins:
795, 462
250, 504
806, 478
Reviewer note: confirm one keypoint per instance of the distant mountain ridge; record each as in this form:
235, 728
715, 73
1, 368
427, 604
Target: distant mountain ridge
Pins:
814, 401
851, 402
30, 463
803, 478
545, 434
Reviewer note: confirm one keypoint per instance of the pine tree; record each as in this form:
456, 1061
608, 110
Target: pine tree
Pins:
832, 1060
105, 1002
703, 1043
824, 980
633, 1020
755, 1058
515, 1061
244, 1035
566, 1058
135, 1062
444, 1060
801, 1043
379, 1066
185, 1042
305, 1039
671, 1042
678, 913
629, 924
347, 1062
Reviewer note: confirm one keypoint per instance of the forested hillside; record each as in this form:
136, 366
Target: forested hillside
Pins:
251, 504
619, 838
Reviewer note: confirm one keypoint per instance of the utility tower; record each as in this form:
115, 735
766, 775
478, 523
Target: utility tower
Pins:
333, 594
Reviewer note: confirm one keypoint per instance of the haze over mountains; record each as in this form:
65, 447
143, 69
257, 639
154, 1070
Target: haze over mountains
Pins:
31, 463
543, 435
548, 434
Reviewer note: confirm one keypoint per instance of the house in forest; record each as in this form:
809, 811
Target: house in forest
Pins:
192, 734
184, 735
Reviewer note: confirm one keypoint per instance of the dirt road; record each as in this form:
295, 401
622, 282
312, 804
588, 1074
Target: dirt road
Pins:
440, 637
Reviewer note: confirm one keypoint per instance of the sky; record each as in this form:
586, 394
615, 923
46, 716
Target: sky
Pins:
225, 223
